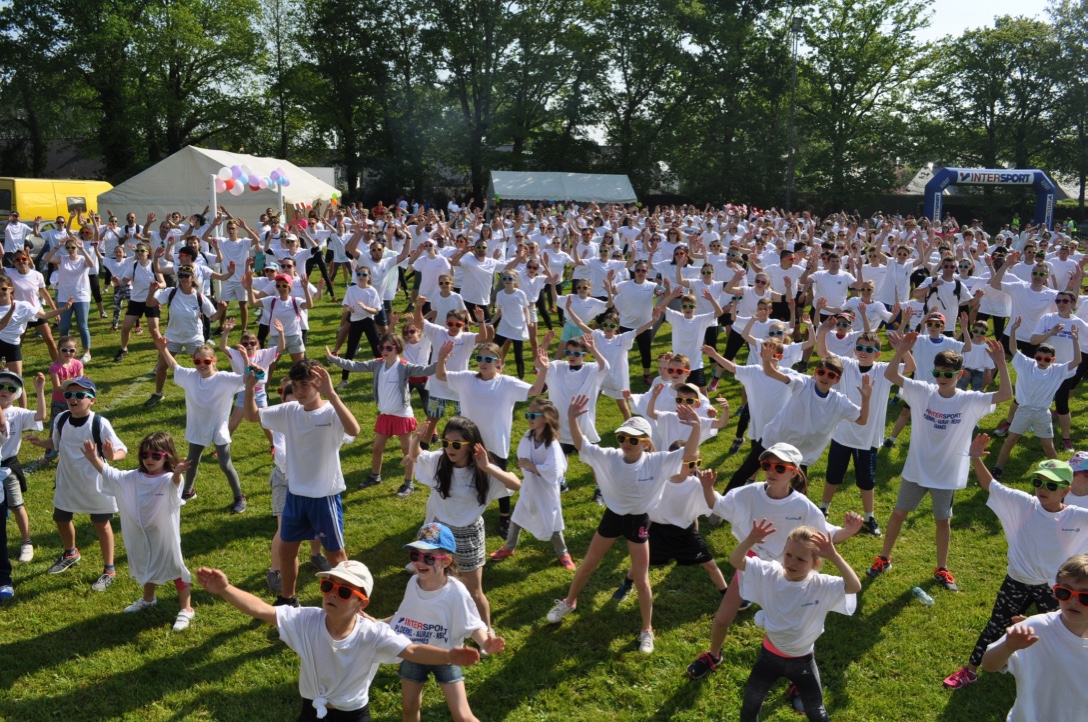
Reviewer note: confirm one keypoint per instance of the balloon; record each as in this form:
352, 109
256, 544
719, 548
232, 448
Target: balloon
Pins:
335, 196
224, 173
235, 171
334, 201
262, 183
220, 186
229, 184
243, 179
275, 175
254, 187
247, 170
238, 189
287, 181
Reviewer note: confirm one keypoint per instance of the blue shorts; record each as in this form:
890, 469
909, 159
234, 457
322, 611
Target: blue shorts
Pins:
418, 673
260, 396
305, 518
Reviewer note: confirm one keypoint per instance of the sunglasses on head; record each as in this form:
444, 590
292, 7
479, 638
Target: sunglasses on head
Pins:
685, 400
779, 468
204, 361
457, 445
428, 559
482, 359
832, 375
533, 415
1050, 484
154, 455
866, 349
1064, 594
629, 440
342, 591
946, 374
78, 395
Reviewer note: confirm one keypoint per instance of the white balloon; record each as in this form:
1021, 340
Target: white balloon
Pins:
224, 174
238, 189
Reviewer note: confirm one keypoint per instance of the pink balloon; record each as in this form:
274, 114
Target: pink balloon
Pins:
220, 185
263, 182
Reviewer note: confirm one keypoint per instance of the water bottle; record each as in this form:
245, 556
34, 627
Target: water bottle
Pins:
921, 596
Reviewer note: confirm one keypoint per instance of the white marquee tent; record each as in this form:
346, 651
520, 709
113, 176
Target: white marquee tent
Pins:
584, 187
182, 183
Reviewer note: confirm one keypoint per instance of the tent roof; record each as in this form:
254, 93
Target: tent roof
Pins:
182, 183
585, 187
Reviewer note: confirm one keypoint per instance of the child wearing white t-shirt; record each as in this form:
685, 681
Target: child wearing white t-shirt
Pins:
795, 600
249, 353
1047, 653
689, 329
615, 347
339, 647
1042, 531
149, 499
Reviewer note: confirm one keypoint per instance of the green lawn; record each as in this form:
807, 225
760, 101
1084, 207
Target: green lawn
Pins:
68, 652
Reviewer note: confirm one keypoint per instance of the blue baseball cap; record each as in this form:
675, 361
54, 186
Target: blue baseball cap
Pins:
433, 536
82, 381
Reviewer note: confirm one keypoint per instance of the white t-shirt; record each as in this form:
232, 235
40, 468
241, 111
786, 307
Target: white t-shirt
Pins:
478, 278
688, 334
634, 302
749, 503
682, 502
1036, 386
184, 326
150, 509
945, 299
941, 430
765, 396
430, 269
1050, 673
443, 618
835, 287
79, 486
237, 251
263, 357
512, 323
1029, 305
141, 277
1063, 340
807, 420
19, 420
333, 672
208, 402
289, 313
615, 350
24, 313
442, 305
369, 297
313, 440
926, 349
491, 403
463, 346
1039, 541
27, 287
631, 488
564, 383
792, 613
871, 435
539, 510
72, 277
462, 507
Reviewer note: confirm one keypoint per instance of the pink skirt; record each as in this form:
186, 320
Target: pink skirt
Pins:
388, 425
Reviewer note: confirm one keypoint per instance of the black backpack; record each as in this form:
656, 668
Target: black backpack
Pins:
96, 428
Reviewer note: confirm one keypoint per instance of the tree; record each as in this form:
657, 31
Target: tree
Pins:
1071, 146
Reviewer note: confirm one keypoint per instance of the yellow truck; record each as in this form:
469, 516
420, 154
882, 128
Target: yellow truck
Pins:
47, 197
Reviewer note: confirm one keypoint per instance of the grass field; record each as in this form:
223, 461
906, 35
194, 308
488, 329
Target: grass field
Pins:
67, 652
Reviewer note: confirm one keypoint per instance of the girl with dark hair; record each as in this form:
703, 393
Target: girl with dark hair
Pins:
463, 482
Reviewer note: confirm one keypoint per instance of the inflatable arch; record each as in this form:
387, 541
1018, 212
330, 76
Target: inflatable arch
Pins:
1045, 188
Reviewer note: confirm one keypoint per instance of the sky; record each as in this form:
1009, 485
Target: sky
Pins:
952, 17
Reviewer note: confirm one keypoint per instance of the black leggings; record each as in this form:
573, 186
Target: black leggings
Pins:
504, 501
742, 421
733, 344
748, 467
315, 259
1012, 599
96, 291
262, 333
770, 668
542, 311
1061, 398
420, 387
225, 464
645, 342
519, 352
356, 329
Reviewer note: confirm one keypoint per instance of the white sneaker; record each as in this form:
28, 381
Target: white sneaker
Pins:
182, 622
140, 605
86, 357
646, 641
341, 386
26, 552
560, 610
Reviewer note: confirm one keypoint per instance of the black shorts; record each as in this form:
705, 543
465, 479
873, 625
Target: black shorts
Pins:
140, 308
36, 322
632, 527
60, 515
686, 546
10, 352
780, 310
697, 377
309, 714
382, 317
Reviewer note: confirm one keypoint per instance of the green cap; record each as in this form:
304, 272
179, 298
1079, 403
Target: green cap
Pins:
1054, 470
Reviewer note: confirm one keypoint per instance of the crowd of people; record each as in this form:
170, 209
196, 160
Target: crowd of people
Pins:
960, 311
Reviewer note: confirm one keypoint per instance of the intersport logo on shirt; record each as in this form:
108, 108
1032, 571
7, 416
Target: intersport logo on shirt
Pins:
966, 176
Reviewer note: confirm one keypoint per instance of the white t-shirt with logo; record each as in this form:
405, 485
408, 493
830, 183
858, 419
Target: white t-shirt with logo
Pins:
492, 403
19, 420
79, 487
749, 503
688, 334
463, 346
443, 618
184, 325
1039, 541
941, 431
682, 502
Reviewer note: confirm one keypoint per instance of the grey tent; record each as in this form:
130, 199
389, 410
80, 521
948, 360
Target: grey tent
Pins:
584, 187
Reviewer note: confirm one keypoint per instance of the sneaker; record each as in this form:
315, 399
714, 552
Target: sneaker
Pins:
102, 315
120, 355
1002, 429
745, 605
239, 505
960, 678
86, 357
282, 601
997, 472
188, 495
51, 455
500, 554
560, 610
6, 592
26, 552
647, 380
504, 526
320, 562
703, 665
623, 590
341, 386
567, 563
1067, 445
945, 579
793, 696
888, 443
713, 386
113, 329
140, 605
880, 565
714, 520
64, 563
274, 581
371, 480
103, 582
405, 490
183, 620
154, 400
434, 438
871, 527
735, 446
646, 641
598, 496
563, 486
139, 329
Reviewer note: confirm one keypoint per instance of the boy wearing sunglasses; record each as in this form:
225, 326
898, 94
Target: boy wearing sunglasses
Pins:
1037, 382
78, 484
1042, 531
667, 427
942, 418
1045, 653
339, 647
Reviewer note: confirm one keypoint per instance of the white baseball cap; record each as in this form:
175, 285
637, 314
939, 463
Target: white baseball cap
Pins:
352, 572
785, 452
636, 425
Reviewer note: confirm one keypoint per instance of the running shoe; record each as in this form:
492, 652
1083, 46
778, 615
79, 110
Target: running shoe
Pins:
1002, 428
405, 490
703, 665
64, 562
871, 527
120, 355
560, 610
567, 563
140, 605
183, 620
1067, 445
960, 678
623, 590
103, 582
500, 554
646, 641
6, 592
239, 505
371, 480
155, 399
320, 563
86, 357
26, 552
745, 605
945, 579
888, 443
274, 581
735, 446
598, 496
880, 565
